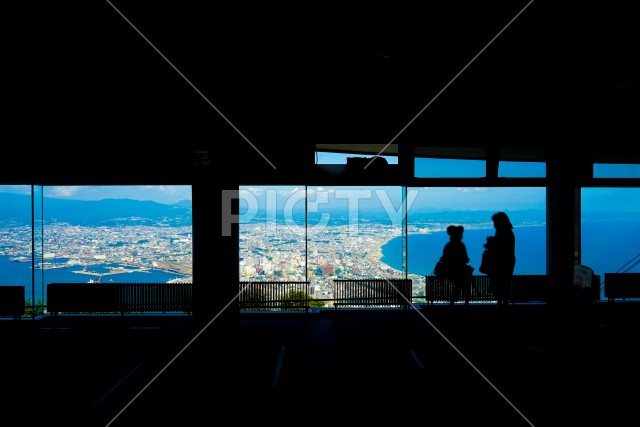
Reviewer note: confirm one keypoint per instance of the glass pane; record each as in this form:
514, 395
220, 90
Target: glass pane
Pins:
121, 234
272, 233
347, 229
522, 169
16, 238
610, 231
611, 170
449, 168
431, 210
324, 158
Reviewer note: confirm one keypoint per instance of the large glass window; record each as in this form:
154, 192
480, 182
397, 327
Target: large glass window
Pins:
317, 234
610, 230
361, 232
431, 210
84, 234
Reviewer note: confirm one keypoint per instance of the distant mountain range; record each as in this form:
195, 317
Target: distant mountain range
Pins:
341, 217
15, 209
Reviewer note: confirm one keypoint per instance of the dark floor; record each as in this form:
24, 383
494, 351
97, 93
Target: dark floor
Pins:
438, 365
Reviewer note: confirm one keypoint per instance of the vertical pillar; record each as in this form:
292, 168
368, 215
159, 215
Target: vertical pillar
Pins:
215, 244
566, 171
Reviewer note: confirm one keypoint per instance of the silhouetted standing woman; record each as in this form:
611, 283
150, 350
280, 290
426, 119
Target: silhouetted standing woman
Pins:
455, 258
504, 257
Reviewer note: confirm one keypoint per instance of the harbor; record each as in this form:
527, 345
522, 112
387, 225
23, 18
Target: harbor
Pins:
112, 271
22, 273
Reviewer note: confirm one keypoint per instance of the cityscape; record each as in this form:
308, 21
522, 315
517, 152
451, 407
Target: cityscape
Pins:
95, 241
140, 247
342, 255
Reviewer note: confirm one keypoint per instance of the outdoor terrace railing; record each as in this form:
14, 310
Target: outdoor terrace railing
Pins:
524, 288
273, 295
439, 289
372, 292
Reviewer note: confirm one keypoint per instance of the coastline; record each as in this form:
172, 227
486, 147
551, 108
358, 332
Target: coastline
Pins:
426, 248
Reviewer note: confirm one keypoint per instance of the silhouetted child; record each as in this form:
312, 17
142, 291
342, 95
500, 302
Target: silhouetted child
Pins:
489, 243
487, 256
454, 255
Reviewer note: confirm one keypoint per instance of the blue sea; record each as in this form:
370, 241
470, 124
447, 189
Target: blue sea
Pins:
19, 274
425, 249
607, 246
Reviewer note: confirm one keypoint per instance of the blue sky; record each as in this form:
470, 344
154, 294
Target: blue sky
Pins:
166, 194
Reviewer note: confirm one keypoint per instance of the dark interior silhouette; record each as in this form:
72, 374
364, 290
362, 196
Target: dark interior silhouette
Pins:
112, 93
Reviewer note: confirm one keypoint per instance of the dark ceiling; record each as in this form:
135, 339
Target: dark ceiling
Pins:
435, 73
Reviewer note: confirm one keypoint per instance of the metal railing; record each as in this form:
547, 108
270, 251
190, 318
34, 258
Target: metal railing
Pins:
274, 295
372, 292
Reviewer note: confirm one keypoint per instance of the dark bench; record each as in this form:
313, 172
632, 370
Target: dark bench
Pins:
439, 289
372, 292
524, 288
12, 301
273, 295
621, 286
119, 298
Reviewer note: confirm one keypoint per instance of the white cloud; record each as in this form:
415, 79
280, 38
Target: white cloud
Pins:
471, 190
63, 191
